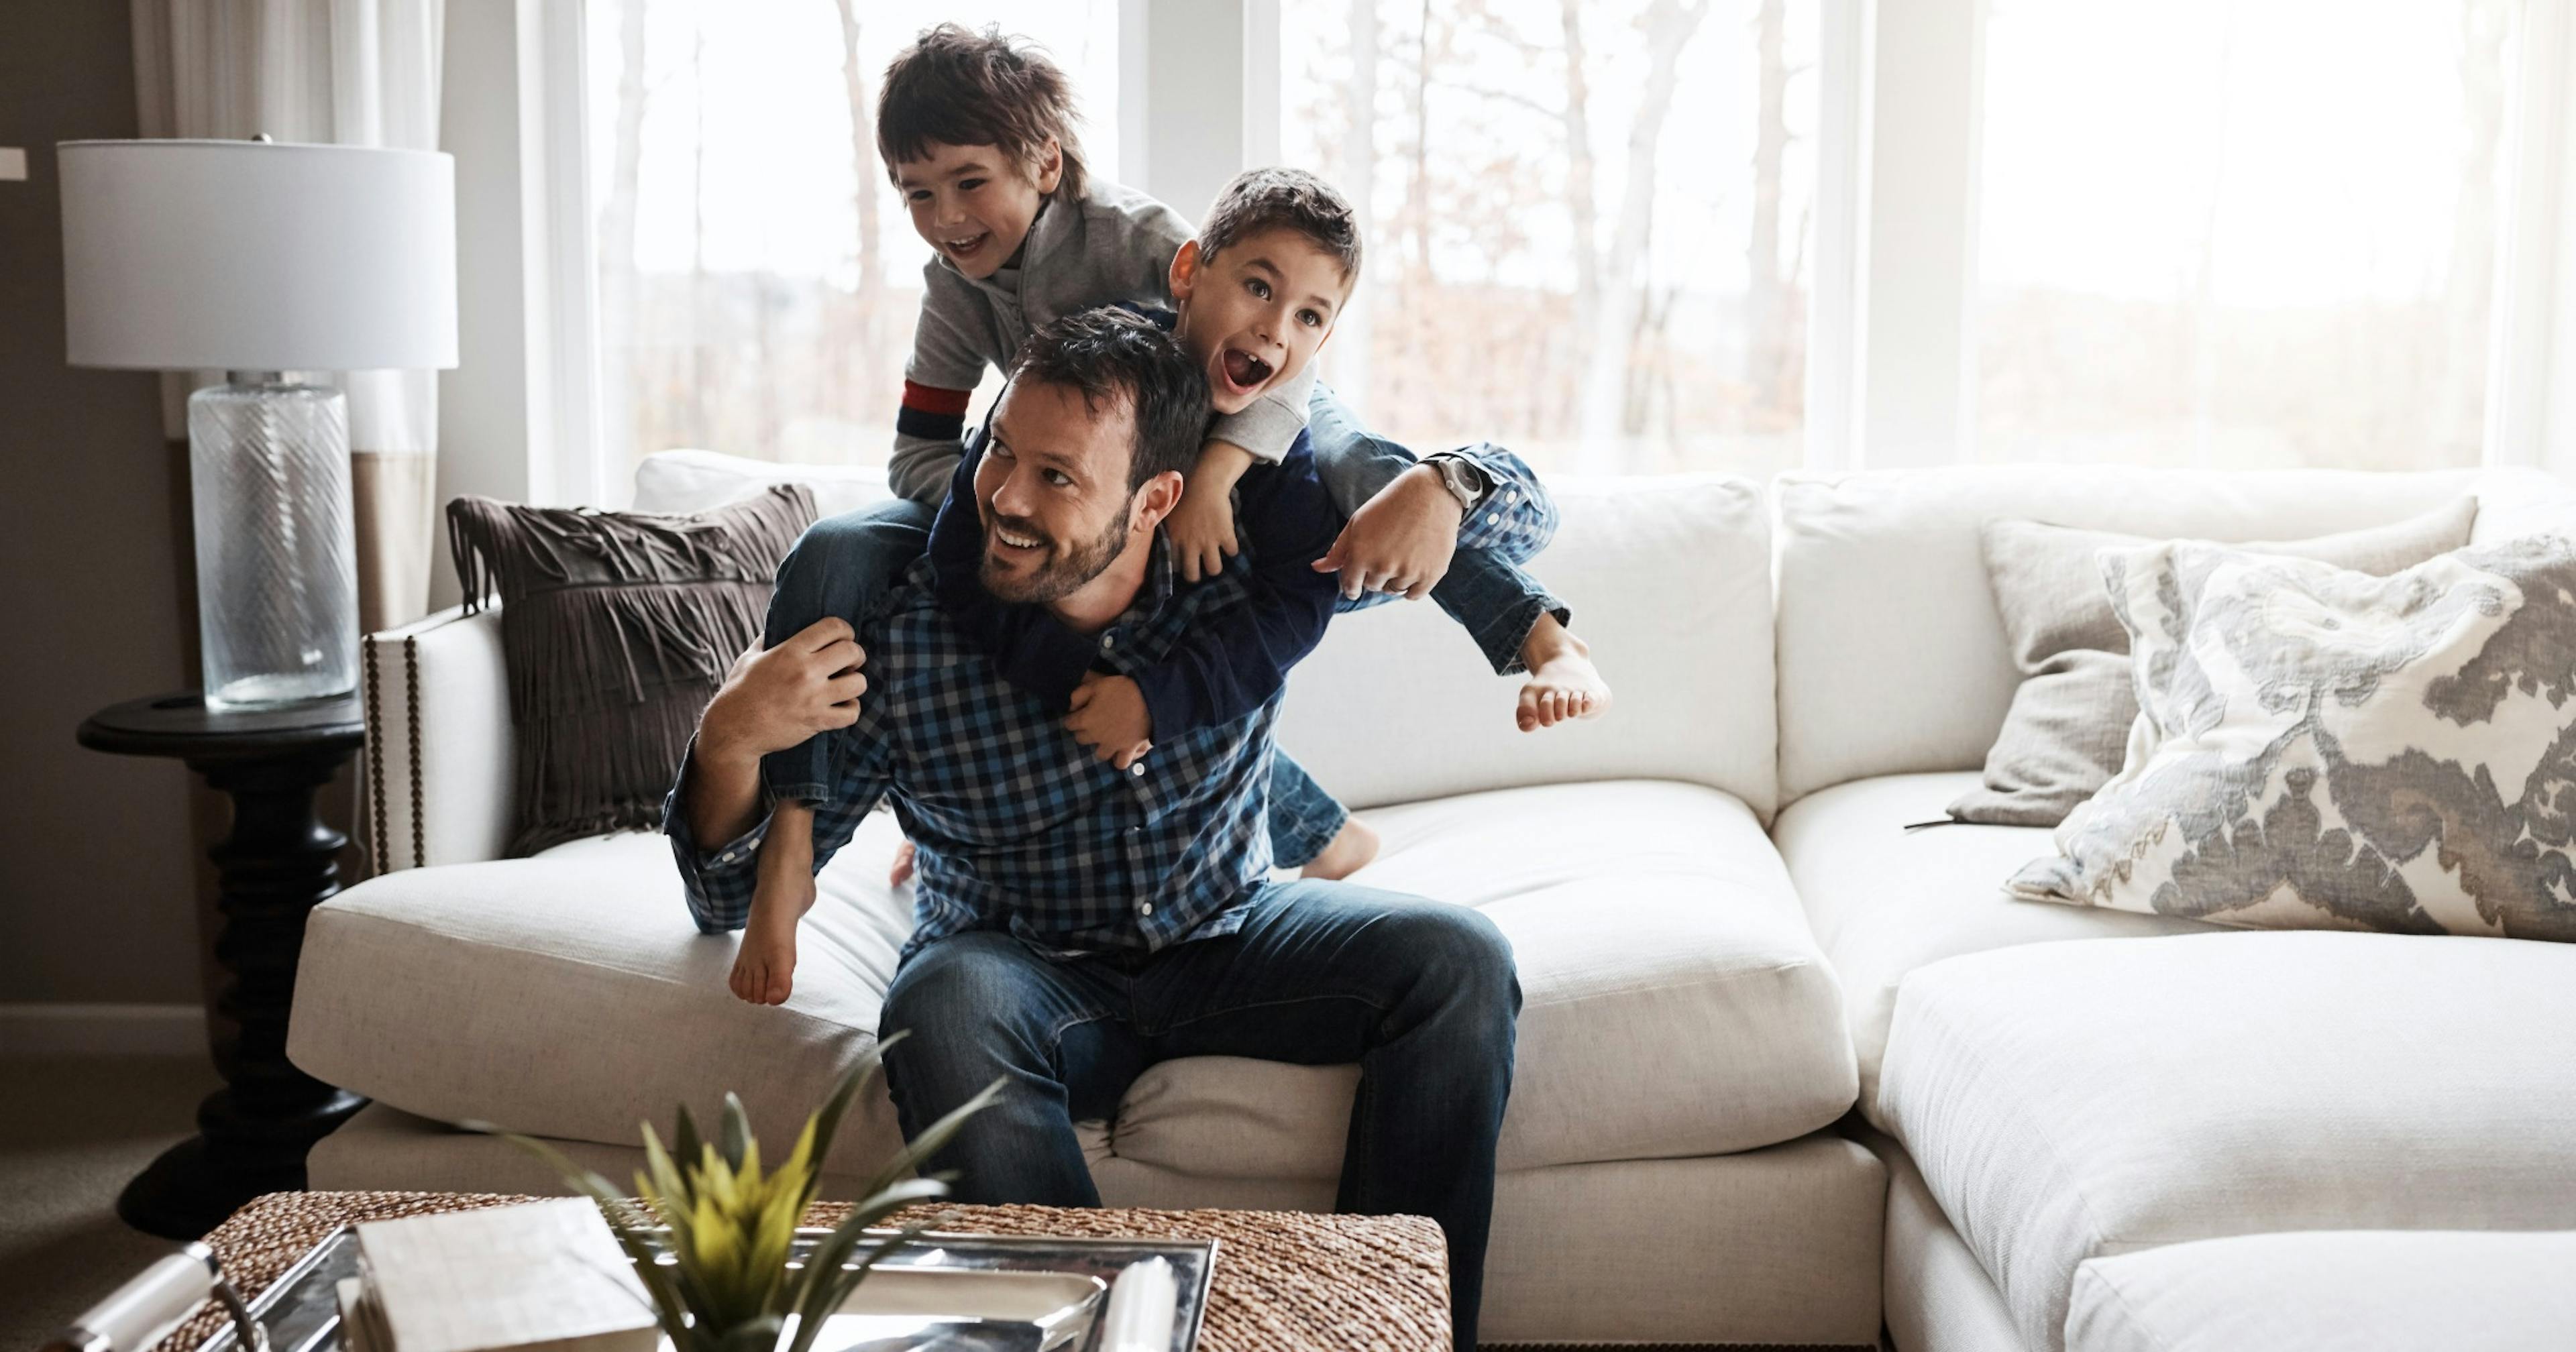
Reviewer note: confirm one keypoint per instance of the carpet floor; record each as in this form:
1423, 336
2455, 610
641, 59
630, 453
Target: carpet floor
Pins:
72, 1131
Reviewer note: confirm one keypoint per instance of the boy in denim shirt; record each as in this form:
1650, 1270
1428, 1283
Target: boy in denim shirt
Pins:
978, 134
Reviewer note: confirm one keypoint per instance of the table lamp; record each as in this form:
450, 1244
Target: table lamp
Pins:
263, 260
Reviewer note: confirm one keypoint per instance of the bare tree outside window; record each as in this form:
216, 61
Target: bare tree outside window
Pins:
1588, 221
2239, 233
759, 276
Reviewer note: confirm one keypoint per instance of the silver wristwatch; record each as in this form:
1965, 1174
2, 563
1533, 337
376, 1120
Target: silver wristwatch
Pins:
1460, 476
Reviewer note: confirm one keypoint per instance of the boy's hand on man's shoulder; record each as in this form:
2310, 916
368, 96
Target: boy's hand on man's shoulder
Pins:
1399, 541
1110, 717
1201, 531
1202, 527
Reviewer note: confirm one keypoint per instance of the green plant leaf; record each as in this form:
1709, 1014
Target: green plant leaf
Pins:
665, 1173
734, 1134
684, 1136
928, 1143
759, 1334
827, 1120
826, 1281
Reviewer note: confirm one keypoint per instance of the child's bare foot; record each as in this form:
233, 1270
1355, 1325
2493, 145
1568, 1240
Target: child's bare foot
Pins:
1352, 848
764, 967
1563, 684
901, 873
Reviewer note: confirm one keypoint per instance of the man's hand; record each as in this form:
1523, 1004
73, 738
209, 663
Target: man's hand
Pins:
774, 699
1399, 541
1201, 528
1110, 717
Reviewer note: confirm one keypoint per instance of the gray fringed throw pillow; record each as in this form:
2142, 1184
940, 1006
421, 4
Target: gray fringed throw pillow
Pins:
2068, 728
617, 627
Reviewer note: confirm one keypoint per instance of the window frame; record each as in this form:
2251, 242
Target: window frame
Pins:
1892, 318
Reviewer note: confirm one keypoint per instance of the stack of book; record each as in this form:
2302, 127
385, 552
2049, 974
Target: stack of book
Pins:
546, 1277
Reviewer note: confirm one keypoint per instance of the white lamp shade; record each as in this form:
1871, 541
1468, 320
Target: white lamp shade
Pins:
247, 256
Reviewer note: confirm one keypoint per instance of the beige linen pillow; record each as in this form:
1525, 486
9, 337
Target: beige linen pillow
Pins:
2324, 749
2068, 727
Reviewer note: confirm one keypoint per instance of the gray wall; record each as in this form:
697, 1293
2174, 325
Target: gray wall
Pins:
97, 869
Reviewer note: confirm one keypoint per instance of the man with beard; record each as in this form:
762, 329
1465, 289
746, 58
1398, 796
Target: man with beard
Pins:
1076, 923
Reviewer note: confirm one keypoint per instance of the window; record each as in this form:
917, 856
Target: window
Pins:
2239, 234
1589, 221
758, 276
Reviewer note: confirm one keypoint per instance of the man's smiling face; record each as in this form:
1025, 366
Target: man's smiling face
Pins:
974, 204
1255, 312
1052, 491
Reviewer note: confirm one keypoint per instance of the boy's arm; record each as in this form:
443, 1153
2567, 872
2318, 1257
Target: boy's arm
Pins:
1517, 515
1236, 659
1268, 426
938, 381
718, 881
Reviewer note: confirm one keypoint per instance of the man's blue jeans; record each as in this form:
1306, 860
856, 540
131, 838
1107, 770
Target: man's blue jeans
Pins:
1421, 994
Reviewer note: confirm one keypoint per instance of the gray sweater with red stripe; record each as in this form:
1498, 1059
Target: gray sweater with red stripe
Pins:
1110, 246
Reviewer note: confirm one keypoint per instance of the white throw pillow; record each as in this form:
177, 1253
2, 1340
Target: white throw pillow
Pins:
2319, 748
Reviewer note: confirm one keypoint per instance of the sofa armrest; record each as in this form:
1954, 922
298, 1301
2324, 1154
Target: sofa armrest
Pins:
436, 773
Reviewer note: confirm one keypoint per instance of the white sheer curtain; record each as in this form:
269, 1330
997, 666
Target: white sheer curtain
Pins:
342, 72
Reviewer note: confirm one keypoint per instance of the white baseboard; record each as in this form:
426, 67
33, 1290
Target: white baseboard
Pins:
102, 1030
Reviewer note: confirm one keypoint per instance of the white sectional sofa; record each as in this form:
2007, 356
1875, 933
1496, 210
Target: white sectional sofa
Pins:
1726, 937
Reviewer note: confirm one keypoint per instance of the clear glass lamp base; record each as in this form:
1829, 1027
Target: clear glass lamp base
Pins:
277, 557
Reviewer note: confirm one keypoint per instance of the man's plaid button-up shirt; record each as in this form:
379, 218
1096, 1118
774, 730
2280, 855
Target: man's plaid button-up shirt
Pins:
1018, 826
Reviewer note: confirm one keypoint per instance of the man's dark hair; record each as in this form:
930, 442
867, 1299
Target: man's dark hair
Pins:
1284, 199
1118, 356
958, 87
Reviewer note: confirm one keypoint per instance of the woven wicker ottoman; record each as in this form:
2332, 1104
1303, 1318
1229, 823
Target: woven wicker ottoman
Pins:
1285, 1281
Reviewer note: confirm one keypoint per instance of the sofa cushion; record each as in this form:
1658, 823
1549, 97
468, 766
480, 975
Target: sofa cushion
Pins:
1892, 657
2330, 1291
568, 995
1884, 900
2070, 1101
1673, 1002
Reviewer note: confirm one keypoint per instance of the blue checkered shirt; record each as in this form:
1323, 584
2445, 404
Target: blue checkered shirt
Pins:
1018, 826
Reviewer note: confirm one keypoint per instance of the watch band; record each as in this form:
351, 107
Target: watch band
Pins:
1461, 477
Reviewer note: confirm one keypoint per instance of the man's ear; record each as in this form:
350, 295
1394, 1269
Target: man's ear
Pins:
1050, 167
1155, 501
1185, 270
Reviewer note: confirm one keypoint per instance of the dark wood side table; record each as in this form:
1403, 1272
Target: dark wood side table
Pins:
274, 866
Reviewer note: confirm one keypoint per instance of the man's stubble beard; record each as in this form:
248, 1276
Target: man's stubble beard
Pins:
1059, 576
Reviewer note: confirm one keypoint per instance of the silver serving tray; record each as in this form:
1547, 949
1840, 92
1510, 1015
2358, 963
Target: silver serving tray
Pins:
301, 1309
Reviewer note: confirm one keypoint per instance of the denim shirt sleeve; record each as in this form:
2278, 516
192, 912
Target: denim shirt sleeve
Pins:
1232, 662
1027, 644
1518, 511
718, 882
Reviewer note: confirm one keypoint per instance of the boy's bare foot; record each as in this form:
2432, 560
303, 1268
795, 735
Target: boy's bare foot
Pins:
1563, 684
1352, 848
901, 873
764, 968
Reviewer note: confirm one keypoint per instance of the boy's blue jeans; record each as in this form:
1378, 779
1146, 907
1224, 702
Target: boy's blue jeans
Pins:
844, 565
1421, 995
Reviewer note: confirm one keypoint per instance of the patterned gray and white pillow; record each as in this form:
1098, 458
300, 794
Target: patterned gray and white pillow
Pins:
2323, 749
